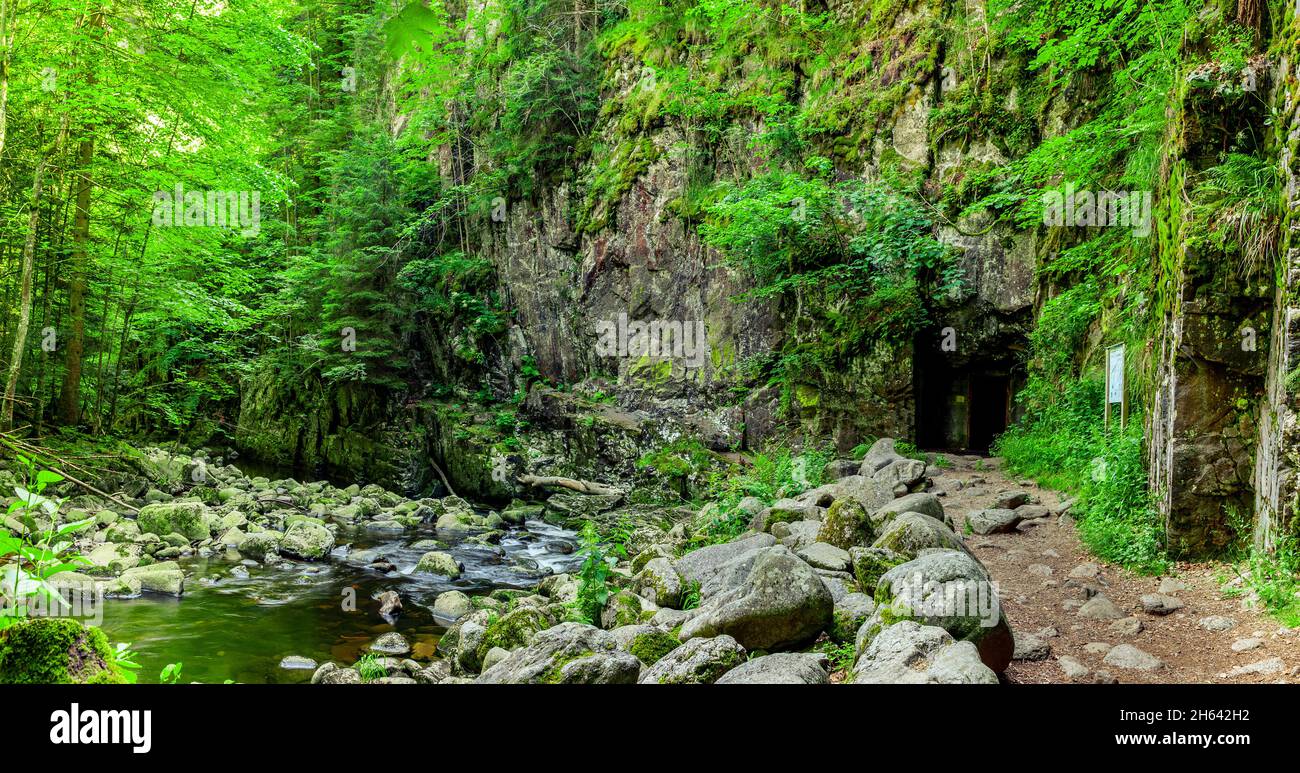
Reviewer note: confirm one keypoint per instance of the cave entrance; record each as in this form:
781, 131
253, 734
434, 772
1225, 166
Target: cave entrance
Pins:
964, 403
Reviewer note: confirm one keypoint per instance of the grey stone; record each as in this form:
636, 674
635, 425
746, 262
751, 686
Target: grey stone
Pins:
1100, 608
1127, 656
910, 653
781, 668
823, 556
1160, 604
701, 565
697, 661
766, 599
569, 653
996, 521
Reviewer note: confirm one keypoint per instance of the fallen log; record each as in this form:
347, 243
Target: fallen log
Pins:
572, 484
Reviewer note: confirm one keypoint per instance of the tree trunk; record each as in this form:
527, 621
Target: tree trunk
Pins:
70, 399
25, 283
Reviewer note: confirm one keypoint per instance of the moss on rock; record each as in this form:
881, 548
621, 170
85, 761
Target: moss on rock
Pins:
56, 651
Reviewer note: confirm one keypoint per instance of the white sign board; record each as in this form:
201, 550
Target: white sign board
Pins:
1115, 374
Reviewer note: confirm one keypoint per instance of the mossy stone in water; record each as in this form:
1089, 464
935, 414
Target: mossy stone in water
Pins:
48, 650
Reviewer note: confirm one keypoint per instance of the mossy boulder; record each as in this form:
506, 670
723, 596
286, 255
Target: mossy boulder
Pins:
437, 562
569, 653
514, 629
698, 661
189, 519
163, 577
258, 545
847, 525
910, 533
870, 563
650, 646
56, 650
625, 608
307, 539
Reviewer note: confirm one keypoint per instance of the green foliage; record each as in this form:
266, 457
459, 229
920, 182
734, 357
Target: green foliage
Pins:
1240, 203
369, 667
841, 654
768, 476
170, 674
1063, 445
32, 555
594, 586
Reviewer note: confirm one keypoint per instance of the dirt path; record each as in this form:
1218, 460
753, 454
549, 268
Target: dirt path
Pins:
1044, 578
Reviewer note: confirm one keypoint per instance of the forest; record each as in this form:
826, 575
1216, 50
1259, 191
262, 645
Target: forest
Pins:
649, 341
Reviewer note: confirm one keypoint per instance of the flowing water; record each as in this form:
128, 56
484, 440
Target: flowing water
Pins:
238, 619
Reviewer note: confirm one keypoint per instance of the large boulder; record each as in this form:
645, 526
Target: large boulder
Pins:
766, 599
880, 455
910, 653
781, 668
993, 521
437, 562
785, 511
163, 577
308, 540
569, 653
869, 564
949, 589
864, 490
846, 525
698, 661
903, 472
462, 642
259, 544
513, 629
189, 519
660, 583
701, 565
910, 533
924, 503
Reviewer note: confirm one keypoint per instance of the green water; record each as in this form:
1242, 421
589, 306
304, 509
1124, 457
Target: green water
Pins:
236, 627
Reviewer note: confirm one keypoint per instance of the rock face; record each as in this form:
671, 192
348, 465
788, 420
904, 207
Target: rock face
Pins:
569, 653
698, 661
910, 653
766, 599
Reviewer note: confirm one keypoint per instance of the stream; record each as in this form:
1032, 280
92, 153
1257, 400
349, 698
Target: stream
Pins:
237, 619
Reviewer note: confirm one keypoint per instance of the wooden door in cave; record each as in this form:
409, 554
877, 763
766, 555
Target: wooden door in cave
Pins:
989, 410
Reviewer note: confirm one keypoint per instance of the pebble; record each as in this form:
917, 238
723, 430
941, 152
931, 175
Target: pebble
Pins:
1172, 585
1086, 571
1266, 666
1030, 647
1129, 657
1100, 608
1217, 623
1129, 626
1160, 604
1072, 668
1241, 645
